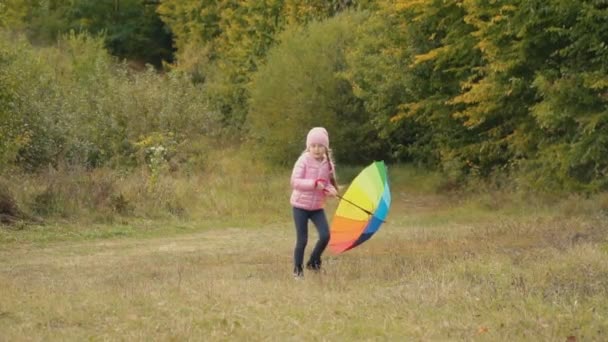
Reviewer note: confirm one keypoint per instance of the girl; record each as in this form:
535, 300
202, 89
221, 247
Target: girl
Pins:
312, 180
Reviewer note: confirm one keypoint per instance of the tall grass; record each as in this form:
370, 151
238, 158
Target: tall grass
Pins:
229, 190
509, 280
232, 189
207, 256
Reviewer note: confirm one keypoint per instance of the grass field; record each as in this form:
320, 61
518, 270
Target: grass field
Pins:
440, 269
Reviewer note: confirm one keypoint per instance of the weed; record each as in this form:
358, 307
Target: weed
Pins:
9, 211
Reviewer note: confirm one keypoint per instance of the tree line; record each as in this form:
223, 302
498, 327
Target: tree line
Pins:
473, 88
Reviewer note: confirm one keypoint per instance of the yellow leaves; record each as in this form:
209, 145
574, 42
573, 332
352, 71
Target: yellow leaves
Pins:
592, 121
391, 52
12, 13
485, 46
497, 18
426, 56
24, 138
597, 80
154, 139
357, 90
508, 8
304, 11
431, 55
481, 99
407, 110
397, 117
492, 54
476, 93
403, 5
84, 22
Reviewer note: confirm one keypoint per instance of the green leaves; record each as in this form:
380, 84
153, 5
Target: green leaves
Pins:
301, 86
500, 85
75, 105
470, 87
131, 28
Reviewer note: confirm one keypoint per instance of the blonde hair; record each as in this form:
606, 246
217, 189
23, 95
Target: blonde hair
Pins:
333, 178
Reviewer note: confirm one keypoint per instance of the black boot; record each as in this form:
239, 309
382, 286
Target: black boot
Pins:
298, 272
313, 265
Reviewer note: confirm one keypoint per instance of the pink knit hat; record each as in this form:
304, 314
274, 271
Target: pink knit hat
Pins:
317, 135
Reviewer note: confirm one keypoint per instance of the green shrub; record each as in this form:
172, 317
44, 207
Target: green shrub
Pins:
74, 104
301, 86
9, 210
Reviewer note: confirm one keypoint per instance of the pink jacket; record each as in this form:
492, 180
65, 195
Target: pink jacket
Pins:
305, 172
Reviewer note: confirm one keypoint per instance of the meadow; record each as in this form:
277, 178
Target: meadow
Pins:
134, 204
491, 266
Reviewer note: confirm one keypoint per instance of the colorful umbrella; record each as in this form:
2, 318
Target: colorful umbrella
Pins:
362, 209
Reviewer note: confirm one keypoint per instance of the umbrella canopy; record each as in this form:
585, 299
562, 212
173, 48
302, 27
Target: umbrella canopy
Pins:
362, 209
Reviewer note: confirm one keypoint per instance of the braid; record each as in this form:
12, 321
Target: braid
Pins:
332, 171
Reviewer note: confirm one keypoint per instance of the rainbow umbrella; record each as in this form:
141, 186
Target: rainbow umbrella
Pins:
362, 209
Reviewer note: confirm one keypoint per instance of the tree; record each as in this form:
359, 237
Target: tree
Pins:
13, 13
132, 28
301, 86
222, 43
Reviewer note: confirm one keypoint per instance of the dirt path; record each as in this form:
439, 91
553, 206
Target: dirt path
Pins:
210, 242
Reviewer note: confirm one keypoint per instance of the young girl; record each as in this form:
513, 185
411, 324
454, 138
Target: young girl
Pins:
312, 180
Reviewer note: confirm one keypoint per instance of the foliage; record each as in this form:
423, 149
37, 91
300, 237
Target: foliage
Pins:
534, 51
13, 13
223, 43
483, 87
220, 43
9, 209
408, 77
376, 64
300, 87
571, 86
24, 131
131, 28
87, 110
472, 88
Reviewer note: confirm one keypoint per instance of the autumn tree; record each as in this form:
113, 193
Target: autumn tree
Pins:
302, 85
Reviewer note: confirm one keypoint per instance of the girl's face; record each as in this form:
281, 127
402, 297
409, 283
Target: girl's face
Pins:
317, 151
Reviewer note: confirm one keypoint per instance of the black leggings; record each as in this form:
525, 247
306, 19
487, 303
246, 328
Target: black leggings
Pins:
301, 217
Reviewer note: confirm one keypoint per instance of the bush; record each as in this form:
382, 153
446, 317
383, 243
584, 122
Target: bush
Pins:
9, 211
301, 86
73, 104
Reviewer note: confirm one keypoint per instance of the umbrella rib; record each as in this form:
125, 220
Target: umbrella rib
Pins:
344, 199
371, 187
356, 205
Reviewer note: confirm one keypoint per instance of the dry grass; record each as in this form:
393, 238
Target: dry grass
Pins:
226, 192
532, 278
490, 268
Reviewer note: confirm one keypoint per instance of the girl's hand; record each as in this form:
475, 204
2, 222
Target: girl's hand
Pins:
330, 191
320, 184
